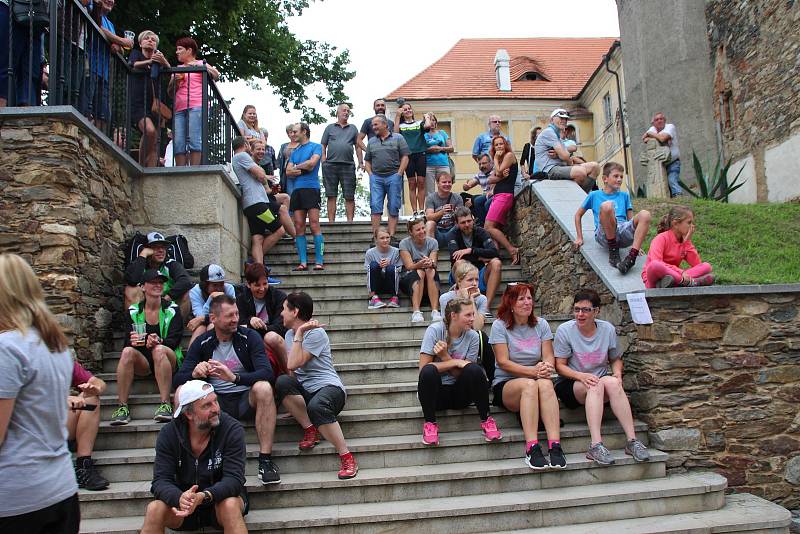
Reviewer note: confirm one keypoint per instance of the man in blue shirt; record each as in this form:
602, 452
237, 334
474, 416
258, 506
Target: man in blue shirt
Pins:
484, 141
303, 170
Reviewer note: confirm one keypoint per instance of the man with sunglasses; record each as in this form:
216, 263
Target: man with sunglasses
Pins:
484, 141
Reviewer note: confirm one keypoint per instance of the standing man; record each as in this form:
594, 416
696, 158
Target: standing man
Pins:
303, 167
553, 158
484, 141
198, 473
267, 219
232, 359
386, 160
667, 134
338, 142
379, 106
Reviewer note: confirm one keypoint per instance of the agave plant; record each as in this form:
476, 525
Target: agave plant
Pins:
714, 186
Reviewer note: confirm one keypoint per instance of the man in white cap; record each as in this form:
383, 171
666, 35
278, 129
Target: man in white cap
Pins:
154, 256
198, 474
553, 158
212, 283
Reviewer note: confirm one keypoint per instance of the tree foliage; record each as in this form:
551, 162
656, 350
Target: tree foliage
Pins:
248, 40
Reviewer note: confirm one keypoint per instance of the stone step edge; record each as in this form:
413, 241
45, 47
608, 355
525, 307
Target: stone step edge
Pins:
596, 494
384, 476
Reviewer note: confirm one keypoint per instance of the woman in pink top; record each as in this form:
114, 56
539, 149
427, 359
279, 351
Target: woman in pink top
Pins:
670, 248
187, 122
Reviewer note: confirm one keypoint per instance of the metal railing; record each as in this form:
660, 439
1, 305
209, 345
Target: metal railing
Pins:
69, 61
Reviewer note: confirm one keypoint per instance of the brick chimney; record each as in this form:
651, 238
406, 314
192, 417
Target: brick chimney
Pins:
503, 74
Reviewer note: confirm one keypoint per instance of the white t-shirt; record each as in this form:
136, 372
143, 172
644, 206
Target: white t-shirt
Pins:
670, 130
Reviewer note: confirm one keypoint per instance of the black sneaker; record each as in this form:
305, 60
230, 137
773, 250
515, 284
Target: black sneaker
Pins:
627, 262
268, 471
535, 459
613, 257
89, 478
557, 458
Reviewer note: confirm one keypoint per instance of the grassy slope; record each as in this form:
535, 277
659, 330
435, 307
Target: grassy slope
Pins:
746, 244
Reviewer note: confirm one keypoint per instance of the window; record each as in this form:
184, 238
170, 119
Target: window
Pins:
532, 76
726, 110
607, 111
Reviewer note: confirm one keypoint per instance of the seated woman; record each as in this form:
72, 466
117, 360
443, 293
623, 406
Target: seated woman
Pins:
523, 352
450, 377
419, 254
583, 348
382, 263
466, 286
212, 283
314, 395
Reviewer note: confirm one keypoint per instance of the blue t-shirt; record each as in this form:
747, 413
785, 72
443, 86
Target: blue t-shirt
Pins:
101, 51
621, 199
439, 158
484, 142
310, 179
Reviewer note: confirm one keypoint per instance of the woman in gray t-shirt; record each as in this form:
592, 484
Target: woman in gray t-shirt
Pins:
466, 276
583, 349
419, 254
524, 364
450, 377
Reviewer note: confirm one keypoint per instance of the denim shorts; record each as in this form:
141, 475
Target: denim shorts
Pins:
381, 187
625, 231
194, 143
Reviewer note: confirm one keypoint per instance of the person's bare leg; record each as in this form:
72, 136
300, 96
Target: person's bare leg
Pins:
229, 515
432, 288
296, 406
608, 219
195, 158
271, 240
3, 102
430, 229
619, 404
333, 434
392, 226
286, 219
416, 291
257, 248
86, 428
412, 193
521, 395
641, 223
158, 516
592, 399
492, 276
375, 219
350, 209
131, 362
548, 409
421, 192
180, 160
497, 234
261, 397
163, 364
331, 209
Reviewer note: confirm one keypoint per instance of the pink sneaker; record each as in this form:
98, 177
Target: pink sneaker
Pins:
490, 430
430, 434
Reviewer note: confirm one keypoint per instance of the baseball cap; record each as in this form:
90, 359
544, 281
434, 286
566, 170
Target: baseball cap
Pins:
560, 113
212, 273
153, 274
154, 238
191, 391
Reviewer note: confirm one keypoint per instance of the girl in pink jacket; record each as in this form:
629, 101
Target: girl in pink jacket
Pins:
670, 248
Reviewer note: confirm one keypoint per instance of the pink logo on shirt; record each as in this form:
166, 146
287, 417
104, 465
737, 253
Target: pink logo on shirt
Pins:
591, 359
457, 356
531, 344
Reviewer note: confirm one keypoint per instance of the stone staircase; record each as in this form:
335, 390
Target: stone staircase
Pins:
463, 485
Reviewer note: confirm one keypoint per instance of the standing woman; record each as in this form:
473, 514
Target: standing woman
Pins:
414, 133
449, 376
285, 152
439, 146
504, 177
528, 159
39, 493
188, 118
142, 84
524, 361
248, 125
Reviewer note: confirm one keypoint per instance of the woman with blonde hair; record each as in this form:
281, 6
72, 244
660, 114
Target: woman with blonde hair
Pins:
466, 286
248, 125
39, 494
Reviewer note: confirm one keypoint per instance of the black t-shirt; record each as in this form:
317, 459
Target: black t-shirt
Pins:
366, 127
507, 184
140, 87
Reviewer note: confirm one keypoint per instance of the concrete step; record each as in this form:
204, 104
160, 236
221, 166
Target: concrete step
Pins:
321, 286
127, 465
479, 512
355, 265
742, 513
348, 277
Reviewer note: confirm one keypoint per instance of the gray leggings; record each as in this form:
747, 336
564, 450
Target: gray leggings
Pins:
322, 406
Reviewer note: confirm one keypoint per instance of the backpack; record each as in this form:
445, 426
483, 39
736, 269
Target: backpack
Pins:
486, 355
31, 13
133, 247
178, 250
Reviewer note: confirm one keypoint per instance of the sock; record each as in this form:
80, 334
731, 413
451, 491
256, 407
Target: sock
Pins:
551, 442
633, 253
301, 243
83, 461
264, 456
529, 444
612, 242
319, 249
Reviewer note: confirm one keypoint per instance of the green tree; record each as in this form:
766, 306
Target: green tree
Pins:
362, 202
248, 40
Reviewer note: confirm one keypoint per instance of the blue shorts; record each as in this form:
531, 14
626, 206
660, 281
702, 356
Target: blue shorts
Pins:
385, 188
481, 280
625, 231
194, 143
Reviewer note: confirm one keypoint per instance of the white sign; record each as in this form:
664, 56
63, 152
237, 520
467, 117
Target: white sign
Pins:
640, 311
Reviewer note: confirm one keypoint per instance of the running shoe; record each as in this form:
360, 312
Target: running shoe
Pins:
600, 454
375, 303
163, 413
637, 449
436, 316
535, 459
349, 467
310, 439
430, 434
490, 430
417, 317
394, 302
121, 416
557, 458
268, 471
89, 478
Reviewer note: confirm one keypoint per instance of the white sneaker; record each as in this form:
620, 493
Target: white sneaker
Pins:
417, 317
436, 316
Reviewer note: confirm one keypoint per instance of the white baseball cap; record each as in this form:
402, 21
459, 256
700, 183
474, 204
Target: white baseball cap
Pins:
560, 113
212, 273
191, 391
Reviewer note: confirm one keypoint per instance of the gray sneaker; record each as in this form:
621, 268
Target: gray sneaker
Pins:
163, 413
667, 281
600, 454
637, 449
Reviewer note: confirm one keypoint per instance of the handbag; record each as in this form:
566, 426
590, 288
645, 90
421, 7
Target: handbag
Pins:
35, 13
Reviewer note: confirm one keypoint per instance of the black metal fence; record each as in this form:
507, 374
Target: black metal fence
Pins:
55, 53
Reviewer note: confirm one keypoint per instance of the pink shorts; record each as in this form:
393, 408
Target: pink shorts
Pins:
500, 208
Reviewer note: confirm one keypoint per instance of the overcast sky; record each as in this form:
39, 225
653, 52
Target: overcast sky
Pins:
383, 60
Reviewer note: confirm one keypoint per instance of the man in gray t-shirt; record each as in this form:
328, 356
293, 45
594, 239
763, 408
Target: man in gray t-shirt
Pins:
440, 208
386, 160
554, 159
338, 142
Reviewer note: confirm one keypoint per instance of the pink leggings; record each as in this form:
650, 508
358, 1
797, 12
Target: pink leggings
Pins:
656, 270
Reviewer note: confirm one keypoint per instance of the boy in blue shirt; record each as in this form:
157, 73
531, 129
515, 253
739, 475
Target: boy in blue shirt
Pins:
615, 225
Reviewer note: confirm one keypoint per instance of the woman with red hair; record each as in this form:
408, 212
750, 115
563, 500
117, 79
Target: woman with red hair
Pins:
504, 177
524, 363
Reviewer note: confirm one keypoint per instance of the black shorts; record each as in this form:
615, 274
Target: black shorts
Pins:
565, 391
263, 217
206, 516
322, 406
148, 355
497, 394
237, 405
63, 517
335, 173
417, 165
304, 199
408, 278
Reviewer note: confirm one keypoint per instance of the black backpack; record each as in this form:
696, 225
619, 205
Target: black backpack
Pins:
178, 250
31, 13
133, 247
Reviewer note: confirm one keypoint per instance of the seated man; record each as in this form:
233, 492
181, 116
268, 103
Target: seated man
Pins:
553, 159
440, 206
265, 156
232, 359
474, 244
154, 256
83, 424
155, 328
203, 486
479, 204
212, 283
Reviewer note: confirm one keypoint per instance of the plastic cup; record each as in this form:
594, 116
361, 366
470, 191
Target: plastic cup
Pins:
130, 35
140, 329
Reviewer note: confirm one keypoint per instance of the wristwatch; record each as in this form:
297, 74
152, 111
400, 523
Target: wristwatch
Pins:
207, 497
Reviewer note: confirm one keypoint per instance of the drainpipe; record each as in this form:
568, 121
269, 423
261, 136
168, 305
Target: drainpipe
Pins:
606, 60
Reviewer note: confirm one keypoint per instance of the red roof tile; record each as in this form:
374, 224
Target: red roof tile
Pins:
467, 70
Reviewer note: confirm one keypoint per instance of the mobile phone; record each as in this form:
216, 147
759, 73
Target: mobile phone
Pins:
87, 408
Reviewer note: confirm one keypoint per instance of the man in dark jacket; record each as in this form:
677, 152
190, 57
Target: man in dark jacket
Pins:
154, 256
474, 244
232, 359
260, 306
198, 475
